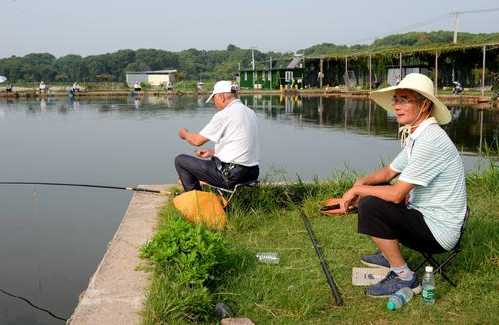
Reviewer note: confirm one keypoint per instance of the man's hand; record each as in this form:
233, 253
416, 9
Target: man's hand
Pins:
204, 153
182, 133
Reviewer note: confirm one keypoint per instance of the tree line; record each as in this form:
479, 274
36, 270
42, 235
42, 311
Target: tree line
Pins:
192, 64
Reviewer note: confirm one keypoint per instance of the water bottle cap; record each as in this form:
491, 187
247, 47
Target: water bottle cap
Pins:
391, 305
429, 268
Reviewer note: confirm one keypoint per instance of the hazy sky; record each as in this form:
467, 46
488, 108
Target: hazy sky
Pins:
98, 26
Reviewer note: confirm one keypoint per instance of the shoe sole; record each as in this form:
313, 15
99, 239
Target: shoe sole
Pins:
416, 291
374, 265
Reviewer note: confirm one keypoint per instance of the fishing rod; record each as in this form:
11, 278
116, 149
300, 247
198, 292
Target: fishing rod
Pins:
5, 292
325, 268
134, 188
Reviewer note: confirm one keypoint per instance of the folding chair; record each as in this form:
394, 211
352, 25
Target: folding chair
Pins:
439, 266
228, 194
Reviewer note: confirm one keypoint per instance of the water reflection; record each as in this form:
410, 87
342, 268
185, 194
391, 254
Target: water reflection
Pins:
471, 129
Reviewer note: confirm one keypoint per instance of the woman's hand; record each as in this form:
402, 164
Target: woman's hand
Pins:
350, 198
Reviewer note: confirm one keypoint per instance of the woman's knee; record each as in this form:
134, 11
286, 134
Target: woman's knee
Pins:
368, 204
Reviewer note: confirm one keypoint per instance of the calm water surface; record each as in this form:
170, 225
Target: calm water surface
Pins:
52, 238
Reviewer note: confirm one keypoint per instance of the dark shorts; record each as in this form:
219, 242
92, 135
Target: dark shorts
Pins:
382, 219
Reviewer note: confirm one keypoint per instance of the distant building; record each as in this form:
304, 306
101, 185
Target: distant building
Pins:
394, 76
265, 77
164, 78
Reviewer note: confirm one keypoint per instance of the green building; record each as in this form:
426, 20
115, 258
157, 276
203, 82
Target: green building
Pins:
290, 74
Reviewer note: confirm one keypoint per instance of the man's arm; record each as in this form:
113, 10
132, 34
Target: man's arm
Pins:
194, 139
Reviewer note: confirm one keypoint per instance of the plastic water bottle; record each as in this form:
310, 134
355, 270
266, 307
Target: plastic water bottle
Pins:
268, 257
428, 285
399, 298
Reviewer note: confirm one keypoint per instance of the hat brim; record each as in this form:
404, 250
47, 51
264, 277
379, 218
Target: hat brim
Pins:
209, 98
384, 97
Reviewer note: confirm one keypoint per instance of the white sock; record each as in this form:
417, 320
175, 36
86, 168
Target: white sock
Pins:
403, 272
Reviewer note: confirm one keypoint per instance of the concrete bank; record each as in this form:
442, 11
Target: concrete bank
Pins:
116, 291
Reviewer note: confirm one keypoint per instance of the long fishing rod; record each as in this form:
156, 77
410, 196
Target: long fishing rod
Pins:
325, 268
32, 304
135, 189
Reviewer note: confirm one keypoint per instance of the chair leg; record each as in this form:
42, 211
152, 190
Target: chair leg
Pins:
422, 263
438, 267
447, 279
447, 260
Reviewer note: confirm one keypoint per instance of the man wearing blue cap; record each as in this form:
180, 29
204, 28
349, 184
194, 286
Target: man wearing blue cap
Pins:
234, 131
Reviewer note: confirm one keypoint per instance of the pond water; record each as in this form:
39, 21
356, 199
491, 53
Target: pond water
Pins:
52, 238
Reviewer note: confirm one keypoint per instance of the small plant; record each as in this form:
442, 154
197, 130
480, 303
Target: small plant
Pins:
190, 263
193, 252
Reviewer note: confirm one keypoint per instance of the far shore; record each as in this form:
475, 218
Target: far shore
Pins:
473, 99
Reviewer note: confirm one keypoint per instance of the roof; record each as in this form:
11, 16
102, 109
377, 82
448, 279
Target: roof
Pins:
394, 51
152, 72
295, 63
278, 66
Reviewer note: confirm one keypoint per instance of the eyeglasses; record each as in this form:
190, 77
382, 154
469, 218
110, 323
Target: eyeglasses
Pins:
402, 100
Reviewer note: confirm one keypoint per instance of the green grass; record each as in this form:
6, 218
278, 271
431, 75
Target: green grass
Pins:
295, 291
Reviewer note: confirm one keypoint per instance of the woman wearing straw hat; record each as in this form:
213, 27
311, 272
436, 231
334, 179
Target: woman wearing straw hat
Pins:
424, 209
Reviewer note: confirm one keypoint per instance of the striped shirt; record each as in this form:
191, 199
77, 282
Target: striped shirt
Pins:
431, 162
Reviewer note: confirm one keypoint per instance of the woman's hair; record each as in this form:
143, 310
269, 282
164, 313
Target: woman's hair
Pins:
422, 99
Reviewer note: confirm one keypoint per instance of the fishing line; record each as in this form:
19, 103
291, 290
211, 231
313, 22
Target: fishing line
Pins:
135, 189
32, 304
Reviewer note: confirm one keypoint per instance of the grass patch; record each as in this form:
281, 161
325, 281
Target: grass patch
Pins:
295, 291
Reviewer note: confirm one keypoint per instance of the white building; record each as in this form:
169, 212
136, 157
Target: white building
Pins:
163, 78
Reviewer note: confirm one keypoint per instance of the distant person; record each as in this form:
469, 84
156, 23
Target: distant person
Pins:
300, 83
419, 200
42, 87
458, 88
9, 88
376, 84
74, 89
136, 86
234, 131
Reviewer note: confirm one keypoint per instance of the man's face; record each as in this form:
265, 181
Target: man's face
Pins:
219, 101
406, 106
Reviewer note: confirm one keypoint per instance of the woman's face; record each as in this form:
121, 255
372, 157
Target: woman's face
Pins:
406, 106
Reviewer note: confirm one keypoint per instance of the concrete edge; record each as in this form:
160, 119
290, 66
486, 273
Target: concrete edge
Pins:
116, 291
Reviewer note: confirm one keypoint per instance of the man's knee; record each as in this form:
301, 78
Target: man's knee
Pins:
180, 161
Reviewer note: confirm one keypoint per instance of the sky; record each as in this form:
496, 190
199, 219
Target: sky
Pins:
101, 26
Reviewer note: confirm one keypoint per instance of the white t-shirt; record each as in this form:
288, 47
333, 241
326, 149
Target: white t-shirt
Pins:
234, 131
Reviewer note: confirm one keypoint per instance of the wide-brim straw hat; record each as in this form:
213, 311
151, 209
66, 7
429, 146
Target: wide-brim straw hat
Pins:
420, 84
